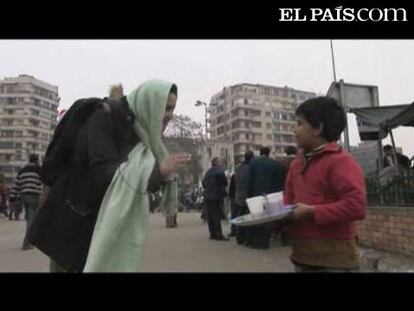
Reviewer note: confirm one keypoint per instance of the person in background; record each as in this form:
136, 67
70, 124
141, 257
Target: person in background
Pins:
16, 205
389, 159
285, 232
215, 183
233, 212
3, 196
266, 176
290, 155
241, 193
28, 186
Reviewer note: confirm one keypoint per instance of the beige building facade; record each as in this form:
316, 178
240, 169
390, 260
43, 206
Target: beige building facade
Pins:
28, 117
249, 116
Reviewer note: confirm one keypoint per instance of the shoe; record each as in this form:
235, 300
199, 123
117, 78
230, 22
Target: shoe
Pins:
222, 238
232, 235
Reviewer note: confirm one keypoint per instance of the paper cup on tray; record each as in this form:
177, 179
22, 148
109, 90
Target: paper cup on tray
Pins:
255, 204
273, 202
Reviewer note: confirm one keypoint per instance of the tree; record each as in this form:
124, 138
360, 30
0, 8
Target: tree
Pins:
185, 135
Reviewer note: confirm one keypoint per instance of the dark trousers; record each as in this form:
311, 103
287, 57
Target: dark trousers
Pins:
234, 212
241, 232
214, 211
258, 236
31, 204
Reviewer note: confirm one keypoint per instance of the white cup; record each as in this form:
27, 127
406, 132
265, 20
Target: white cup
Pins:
274, 202
255, 204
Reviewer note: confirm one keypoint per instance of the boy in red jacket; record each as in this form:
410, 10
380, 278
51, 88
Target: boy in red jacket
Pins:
328, 188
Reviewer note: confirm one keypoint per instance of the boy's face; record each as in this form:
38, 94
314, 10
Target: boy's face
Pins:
307, 137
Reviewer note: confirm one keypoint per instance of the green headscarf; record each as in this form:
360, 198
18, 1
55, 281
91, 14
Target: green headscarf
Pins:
121, 227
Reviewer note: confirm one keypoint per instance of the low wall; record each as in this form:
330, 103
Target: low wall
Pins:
388, 229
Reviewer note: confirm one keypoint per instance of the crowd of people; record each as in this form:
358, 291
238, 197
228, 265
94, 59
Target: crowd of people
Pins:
87, 206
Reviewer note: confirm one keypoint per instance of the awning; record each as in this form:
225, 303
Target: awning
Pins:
374, 123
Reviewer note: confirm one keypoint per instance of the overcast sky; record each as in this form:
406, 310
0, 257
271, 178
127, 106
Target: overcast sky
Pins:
201, 68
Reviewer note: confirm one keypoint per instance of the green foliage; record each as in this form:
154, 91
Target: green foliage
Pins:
185, 135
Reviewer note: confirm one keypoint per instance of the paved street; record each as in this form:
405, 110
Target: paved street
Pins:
12, 258
188, 249
182, 249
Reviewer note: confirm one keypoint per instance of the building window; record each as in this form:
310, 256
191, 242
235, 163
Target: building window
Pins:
268, 114
269, 136
256, 124
6, 145
269, 125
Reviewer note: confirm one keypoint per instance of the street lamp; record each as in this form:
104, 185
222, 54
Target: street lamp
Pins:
198, 104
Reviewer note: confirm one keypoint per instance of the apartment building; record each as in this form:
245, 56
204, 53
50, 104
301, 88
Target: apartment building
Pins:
249, 116
28, 117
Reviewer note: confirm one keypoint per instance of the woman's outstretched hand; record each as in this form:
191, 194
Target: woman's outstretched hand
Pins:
173, 163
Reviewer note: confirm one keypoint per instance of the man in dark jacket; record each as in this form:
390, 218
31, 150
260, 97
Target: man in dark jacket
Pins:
265, 176
214, 184
241, 178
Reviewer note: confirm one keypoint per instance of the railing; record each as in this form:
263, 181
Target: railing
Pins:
396, 190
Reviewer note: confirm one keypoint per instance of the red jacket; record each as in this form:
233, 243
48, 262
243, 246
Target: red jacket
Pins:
334, 184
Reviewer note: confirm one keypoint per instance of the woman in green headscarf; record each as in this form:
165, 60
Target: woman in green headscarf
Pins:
121, 227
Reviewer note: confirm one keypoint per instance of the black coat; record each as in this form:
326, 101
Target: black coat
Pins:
214, 184
265, 176
232, 187
242, 183
64, 225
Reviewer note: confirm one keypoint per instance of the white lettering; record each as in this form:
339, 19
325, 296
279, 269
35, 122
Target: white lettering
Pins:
359, 15
315, 12
285, 13
371, 17
348, 12
328, 15
340, 13
297, 16
395, 11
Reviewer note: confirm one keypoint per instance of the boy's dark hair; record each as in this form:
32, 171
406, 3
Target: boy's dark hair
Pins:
174, 90
33, 158
265, 151
290, 150
325, 111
